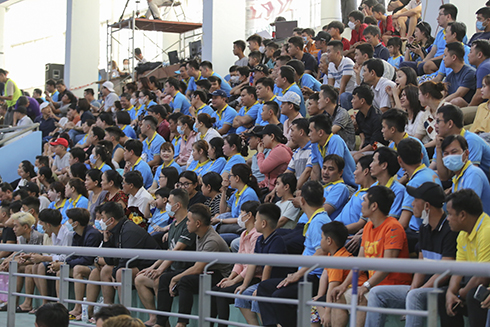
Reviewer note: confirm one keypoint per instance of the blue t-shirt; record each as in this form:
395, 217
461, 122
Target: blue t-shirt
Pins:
194, 166
395, 62
421, 175
294, 88
313, 237
215, 166
233, 160
399, 190
351, 213
248, 194
466, 77
105, 167
70, 204
254, 111
444, 71
180, 103
132, 112
336, 145
145, 171
83, 140
311, 82
224, 85
473, 178
176, 144
192, 83
129, 131
159, 170
440, 43
205, 109
143, 111
225, 118
425, 156
160, 218
52, 205
259, 121
151, 147
56, 97
337, 196
482, 71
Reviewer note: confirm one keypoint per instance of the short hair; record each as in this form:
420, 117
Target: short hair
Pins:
273, 45
78, 153
337, 45
51, 82
450, 9
204, 83
452, 112
379, 8
134, 145
123, 117
458, 28
206, 64
395, 118
357, 15
457, 49
336, 159
112, 310
250, 91
373, 30
283, 59
123, 321
290, 180
298, 66
466, 200
312, 192
370, 21
482, 45
330, 92
163, 192
193, 64
152, 121
381, 195
113, 210
172, 81
297, 41
337, 231
43, 160
366, 48
60, 82
80, 215
365, 161
287, 72
410, 151
395, 42
137, 51
255, 54
336, 24
255, 38
455, 137
15, 207
135, 178
309, 31
202, 96
174, 116
99, 132
485, 12
240, 44
375, 65
51, 216
52, 314
302, 123
181, 196
390, 156
364, 92
322, 122
6, 187
270, 212
89, 91
244, 71
266, 82
201, 212
115, 132
274, 106
32, 203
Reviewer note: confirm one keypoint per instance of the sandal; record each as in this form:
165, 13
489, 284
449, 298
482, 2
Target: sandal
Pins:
33, 311
75, 317
20, 310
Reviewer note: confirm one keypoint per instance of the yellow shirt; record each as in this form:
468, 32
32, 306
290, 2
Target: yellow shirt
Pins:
482, 119
476, 245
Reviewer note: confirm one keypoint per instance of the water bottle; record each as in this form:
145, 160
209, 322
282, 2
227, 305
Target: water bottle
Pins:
85, 310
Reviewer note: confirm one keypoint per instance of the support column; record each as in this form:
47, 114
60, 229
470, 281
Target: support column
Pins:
223, 23
331, 10
82, 44
3, 10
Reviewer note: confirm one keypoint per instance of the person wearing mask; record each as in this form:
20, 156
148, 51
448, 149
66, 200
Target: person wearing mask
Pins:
145, 100
101, 159
188, 137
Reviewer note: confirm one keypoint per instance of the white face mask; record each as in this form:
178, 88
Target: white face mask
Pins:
168, 209
241, 222
425, 217
141, 101
133, 101
351, 25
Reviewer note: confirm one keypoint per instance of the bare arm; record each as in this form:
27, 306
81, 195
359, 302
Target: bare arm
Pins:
460, 92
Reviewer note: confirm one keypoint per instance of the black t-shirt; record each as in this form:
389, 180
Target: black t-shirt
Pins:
310, 62
197, 198
8, 235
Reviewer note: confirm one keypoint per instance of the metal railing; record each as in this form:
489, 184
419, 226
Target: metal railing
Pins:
11, 132
303, 301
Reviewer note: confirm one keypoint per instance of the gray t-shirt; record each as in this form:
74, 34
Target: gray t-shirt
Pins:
347, 132
255, 166
36, 238
242, 62
180, 233
213, 242
61, 163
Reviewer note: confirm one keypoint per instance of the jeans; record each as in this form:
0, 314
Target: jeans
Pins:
235, 245
390, 296
345, 100
417, 300
248, 304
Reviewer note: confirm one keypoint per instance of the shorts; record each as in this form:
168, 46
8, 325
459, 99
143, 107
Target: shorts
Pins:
247, 304
348, 296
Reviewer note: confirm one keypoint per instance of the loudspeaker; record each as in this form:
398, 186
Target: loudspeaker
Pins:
55, 71
173, 57
195, 48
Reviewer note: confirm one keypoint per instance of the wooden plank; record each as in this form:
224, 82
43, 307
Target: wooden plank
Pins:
158, 25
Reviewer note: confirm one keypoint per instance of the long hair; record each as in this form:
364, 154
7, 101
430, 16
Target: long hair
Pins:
244, 172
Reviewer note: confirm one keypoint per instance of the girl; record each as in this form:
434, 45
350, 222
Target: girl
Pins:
200, 156
210, 188
235, 151
167, 155
93, 181
481, 124
26, 172
188, 137
431, 95
168, 178
112, 183
76, 194
404, 76
56, 193
188, 181
215, 152
410, 103
285, 188
204, 127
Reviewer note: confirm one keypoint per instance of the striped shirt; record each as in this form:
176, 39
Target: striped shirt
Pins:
345, 68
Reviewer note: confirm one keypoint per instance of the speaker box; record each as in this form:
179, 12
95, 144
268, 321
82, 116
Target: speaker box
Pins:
54, 71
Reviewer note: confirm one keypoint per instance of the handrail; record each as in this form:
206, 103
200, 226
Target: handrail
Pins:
279, 260
24, 130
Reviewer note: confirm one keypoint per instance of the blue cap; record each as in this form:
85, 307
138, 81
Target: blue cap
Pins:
220, 93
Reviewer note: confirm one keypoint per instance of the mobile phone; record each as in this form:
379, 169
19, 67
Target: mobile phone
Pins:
481, 293
175, 290
455, 306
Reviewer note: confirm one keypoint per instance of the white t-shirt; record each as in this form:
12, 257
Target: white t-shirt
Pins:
413, 4
381, 98
346, 67
417, 127
25, 121
289, 211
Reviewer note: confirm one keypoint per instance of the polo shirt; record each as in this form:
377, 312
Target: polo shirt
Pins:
145, 171
472, 177
233, 160
313, 235
140, 199
351, 213
310, 62
381, 52
345, 68
440, 42
381, 98
370, 126
46, 126
259, 120
129, 131
238, 198
216, 166
224, 84
225, 117
309, 81
192, 82
399, 190
336, 194
396, 61
142, 111
159, 169
438, 242
356, 36
294, 88
80, 202
151, 147
300, 160
475, 245
421, 175
198, 168
180, 103
253, 111
132, 112
52, 205
425, 156
482, 71
335, 145
204, 109
105, 167
273, 244
176, 144
479, 36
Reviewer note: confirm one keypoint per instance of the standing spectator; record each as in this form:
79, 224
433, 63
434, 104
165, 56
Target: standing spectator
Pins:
10, 95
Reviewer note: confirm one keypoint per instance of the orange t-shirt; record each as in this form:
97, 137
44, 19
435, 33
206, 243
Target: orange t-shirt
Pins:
339, 275
390, 235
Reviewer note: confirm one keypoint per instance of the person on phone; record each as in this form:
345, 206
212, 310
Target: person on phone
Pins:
465, 215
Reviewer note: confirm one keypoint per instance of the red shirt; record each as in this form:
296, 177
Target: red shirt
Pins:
164, 130
346, 44
357, 36
389, 25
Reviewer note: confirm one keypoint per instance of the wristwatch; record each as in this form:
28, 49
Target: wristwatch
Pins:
367, 285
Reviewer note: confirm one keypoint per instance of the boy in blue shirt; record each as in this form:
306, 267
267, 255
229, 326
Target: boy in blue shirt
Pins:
247, 115
179, 102
224, 114
158, 218
336, 193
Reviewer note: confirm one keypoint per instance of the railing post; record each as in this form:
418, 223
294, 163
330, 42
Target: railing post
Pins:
304, 310
12, 299
126, 286
64, 290
432, 307
353, 303
204, 299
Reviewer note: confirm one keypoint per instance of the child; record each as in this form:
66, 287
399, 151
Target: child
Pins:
268, 215
385, 22
394, 47
159, 217
334, 237
248, 239
285, 188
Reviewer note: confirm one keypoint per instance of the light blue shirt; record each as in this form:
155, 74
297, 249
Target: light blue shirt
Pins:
294, 88
473, 178
105, 167
311, 82
224, 85
440, 43
180, 103
160, 219
205, 110
129, 131
247, 195
152, 148
396, 207
254, 111
176, 144
337, 196
192, 83
351, 213
81, 203
233, 160
227, 116
145, 171
215, 166
313, 237
131, 112
425, 156
198, 170
159, 170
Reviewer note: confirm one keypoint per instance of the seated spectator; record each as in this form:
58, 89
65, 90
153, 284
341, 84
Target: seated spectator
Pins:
290, 108
303, 80
186, 282
189, 181
471, 246
481, 121
385, 22
199, 101
188, 137
264, 87
408, 16
364, 52
179, 102
157, 217
138, 195
243, 78
383, 237
300, 164
21, 118
335, 192
373, 76
26, 172
206, 69
409, 102
200, 158
336, 29
341, 73
394, 47
77, 196
479, 57
247, 115
52, 314
60, 163
123, 121
101, 158
204, 127
224, 114
8, 234
295, 50
153, 142
254, 139
167, 156
483, 32
285, 83
111, 182
217, 157
357, 26
133, 150
46, 120
285, 189
146, 99
113, 310
419, 47
373, 35
235, 150
210, 188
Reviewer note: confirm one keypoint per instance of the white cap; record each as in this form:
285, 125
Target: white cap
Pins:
291, 97
109, 85
44, 105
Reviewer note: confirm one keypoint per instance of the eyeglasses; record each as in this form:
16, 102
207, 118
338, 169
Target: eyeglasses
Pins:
185, 184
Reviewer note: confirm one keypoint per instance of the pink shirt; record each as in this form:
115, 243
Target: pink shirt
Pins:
274, 165
287, 126
186, 148
247, 245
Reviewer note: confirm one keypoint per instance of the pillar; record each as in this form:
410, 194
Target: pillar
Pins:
3, 10
331, 10
223, 23
82, 44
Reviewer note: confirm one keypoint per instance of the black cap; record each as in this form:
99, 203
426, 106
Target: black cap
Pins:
262, 68
429, 192
254, 131
322, 36
31, 187
271, 129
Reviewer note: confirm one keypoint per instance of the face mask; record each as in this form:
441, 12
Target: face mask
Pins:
425, 217
168, 209
36, 170
453, 162
132, 101
97, 225
141, 101
103, 225
113, 109
234, 79
262, 49
180, 130
40, 229
305, 39
241, 222
351, 25
194, 127
69, 227
92, 159
479, 26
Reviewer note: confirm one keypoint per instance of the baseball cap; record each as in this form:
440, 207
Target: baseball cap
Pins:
43, 105
429, 192
321, 36
31, 187
262, 68
219, 93
109, 85
271, 129
254, 131
290, 96
60, 141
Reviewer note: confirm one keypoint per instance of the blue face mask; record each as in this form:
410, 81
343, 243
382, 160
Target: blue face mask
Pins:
194, 127
36, 170
453, 162
479, 25
92, 159
69, 227
97, 225
180, 130
40, 228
